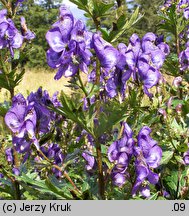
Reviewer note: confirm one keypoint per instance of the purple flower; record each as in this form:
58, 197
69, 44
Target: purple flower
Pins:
142, 59
91, 163
69, 45
22, 145
65, 22
148, 156
184, 59
149, 78
186, 157
9, 35
16, 171
21, 118
9, 155
120, 152
105, 52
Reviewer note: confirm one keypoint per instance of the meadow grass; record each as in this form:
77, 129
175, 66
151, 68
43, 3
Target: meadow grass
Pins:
33, 79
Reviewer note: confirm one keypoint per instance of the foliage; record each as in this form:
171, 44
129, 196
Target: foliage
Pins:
123, 134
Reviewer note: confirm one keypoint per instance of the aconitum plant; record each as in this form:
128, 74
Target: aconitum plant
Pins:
69, 44
122, 131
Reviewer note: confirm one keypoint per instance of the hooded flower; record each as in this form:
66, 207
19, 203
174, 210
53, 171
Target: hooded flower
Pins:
120, 152
91, 163
69, 45
106, 53
21, 118
148, 155
184, 59
9, 34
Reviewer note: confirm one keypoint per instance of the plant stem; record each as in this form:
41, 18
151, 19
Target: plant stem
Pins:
83, 89
16, 183
178, 53
178, 182
100, 170
97, 143
61, 169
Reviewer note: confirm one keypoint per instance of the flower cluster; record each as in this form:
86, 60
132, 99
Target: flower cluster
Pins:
69, 43
141, 60
87, 154
182, 6
10, 37
147, 157
27, 118
120, 152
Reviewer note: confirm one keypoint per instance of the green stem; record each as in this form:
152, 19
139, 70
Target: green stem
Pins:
83, 89
178, 182
178, 53
16, 183
97, 143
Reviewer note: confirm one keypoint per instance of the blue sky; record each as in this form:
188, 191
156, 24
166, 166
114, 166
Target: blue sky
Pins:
78, 14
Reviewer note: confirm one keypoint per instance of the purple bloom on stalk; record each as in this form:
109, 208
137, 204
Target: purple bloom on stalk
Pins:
9, 35
148, 156
117, 82
120, 152
184, 59
91, 163
149, 78
105, 52
21, 118
65, 22
40, 101
21, 145
69, 45
9, 155
144, 58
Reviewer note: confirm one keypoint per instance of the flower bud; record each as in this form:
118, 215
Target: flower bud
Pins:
162, 112
179, 108
177, 81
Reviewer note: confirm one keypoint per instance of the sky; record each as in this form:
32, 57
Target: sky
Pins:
78, 14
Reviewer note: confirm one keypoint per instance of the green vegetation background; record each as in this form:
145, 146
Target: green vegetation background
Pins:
40, 16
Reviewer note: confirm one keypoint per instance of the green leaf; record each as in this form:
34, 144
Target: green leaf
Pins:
102, 8
57, 190
16, 54
179, 159
170, 182
154, 196
85, 186
114, 35
166, 157
183, 147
